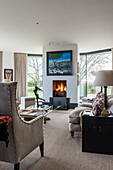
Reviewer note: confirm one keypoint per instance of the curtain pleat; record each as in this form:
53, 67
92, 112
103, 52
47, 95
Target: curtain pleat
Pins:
20, 72
1, 66
112, 69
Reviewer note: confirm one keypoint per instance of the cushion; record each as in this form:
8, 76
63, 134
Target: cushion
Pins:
110, 109
86, 104
110, 102
110, 96
98, 102
77, 110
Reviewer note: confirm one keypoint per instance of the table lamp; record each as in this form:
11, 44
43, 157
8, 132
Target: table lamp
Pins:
104, 78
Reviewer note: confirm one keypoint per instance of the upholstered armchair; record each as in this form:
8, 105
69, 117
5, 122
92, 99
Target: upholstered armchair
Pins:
24, 136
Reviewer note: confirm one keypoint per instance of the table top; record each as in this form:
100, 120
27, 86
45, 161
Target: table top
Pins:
33, 111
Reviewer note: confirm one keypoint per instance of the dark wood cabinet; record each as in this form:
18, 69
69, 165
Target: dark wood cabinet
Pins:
97, 134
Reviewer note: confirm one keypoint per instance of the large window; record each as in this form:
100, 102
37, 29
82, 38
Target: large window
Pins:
90, 63
34, 74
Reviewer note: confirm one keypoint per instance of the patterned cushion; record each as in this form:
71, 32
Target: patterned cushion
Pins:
98, 102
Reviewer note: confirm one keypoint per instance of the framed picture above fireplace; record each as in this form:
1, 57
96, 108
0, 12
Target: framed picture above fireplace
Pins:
59, 63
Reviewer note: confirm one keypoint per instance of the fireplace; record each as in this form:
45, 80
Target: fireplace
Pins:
59, 88
60, 95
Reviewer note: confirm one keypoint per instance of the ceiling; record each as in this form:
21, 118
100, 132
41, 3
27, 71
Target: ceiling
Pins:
88, 23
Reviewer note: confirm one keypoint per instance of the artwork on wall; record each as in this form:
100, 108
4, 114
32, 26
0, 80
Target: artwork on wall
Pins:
59, 63
8, 74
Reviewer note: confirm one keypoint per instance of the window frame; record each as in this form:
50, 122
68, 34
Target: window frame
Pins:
34, 55
89, 53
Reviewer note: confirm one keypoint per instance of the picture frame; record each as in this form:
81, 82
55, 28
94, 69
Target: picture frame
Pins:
59, 63
8, 74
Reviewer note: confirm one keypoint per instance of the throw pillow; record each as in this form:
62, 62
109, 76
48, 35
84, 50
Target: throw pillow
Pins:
98, 102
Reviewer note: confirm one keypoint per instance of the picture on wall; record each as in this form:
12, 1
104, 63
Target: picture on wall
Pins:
8, 74
59, 63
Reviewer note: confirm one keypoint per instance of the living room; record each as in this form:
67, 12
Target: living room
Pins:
33, 31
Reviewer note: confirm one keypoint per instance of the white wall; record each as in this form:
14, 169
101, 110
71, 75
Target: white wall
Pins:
72, 89
8, 61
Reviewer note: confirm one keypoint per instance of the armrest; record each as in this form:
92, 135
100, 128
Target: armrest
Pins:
32, 120
28, 134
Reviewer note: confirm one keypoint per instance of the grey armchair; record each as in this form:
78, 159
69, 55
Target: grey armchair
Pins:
24, 136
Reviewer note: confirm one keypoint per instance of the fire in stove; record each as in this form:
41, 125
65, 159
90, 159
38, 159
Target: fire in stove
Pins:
59, 88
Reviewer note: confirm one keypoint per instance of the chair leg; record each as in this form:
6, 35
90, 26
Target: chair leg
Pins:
17, 166
42, 149
72, 134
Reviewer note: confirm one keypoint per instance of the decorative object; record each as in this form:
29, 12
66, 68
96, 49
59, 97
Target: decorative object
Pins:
37, 96
104, 78
98, 103
8, 75
59, 63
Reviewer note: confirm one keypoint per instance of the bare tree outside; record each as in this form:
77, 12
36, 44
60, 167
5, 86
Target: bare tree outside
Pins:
34, 74
89, 65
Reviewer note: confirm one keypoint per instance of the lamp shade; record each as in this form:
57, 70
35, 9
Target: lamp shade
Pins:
104, 78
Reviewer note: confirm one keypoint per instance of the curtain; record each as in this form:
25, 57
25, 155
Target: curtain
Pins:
0, 66
20, 72
112, 58
112, 69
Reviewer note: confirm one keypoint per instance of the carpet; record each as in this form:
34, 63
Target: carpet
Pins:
61, 151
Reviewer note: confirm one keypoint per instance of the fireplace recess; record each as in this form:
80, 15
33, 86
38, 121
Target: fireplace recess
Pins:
59, 88
59, 95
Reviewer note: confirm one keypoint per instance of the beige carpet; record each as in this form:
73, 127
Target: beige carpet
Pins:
61, 151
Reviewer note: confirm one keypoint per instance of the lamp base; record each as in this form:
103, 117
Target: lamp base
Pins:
105, 112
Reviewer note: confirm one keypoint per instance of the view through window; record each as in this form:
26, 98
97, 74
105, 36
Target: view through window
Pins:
34, 74
89, 65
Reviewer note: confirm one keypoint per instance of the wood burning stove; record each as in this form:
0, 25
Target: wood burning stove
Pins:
59, 95
59, 88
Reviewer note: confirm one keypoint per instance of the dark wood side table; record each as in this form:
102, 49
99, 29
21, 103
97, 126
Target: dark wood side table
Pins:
97, 134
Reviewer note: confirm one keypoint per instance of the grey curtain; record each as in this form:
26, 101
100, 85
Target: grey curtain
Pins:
20, 74
0, 66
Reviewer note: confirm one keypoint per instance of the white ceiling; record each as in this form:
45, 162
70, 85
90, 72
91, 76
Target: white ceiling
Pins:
89, 23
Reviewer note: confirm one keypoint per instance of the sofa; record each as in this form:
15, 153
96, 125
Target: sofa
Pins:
75, 115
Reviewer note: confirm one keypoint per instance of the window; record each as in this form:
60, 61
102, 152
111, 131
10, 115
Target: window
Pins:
90, 63
34, 74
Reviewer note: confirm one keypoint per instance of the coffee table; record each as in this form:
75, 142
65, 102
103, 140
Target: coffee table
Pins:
32, 112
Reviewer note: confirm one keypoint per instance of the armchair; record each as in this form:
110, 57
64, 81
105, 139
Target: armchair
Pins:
24, 136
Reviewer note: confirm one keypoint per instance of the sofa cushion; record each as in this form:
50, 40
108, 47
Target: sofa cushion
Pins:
74, 116
77, 110
86, 104
110, 96
110, 102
